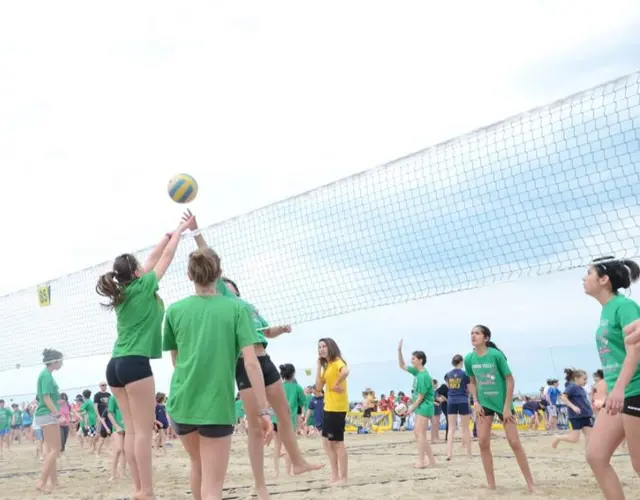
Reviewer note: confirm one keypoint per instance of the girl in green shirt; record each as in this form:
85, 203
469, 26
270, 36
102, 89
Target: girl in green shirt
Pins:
605, 277
491, 385
295, 399
273, 386
205, 334
46, 418
422, 405
132, 291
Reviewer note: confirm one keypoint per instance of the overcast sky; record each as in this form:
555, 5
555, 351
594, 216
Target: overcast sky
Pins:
100, 106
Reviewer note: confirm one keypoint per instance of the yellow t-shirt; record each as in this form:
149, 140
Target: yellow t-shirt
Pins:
335, 401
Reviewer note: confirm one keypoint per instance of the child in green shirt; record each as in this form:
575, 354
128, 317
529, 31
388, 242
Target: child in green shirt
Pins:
491, 386
605, 278
422, 405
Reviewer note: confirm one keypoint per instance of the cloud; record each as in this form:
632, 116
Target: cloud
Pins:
516, 199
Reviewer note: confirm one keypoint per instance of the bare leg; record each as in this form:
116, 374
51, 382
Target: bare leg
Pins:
191, 443
424, 447
511, 430
484, 424
606, 436
51, 435
214, 455
255, 443
123, 402
286, 432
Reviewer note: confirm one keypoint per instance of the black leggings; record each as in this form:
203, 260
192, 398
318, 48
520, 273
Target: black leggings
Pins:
64, 434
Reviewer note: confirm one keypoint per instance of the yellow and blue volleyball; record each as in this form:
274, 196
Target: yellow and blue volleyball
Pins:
183, 188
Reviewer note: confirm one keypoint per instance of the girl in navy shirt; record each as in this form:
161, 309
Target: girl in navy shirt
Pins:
161, 423
458, 404
580, 411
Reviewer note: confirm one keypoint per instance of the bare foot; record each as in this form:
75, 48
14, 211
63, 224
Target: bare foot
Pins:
305, 467
42, 488
262, 493
532, 488
555, 442
142, 496
334, 481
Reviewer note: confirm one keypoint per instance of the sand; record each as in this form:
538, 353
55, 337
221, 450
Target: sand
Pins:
380, 467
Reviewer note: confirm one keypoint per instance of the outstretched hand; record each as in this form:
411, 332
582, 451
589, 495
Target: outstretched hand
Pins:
187, 223
189, 219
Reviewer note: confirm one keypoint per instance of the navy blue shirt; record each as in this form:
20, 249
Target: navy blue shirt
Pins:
578, 397
457, 381
161, 415
317, 406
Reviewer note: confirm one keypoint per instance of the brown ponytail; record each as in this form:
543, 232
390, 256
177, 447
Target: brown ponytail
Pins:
108, 287
112, 284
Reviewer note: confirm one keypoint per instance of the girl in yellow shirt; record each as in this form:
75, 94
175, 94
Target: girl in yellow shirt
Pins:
331, 375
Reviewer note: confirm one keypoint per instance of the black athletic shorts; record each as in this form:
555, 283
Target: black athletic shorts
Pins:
208, 431
128, 369
631, 406
491, 413
333, 424
269, 372
458, 409
367, 413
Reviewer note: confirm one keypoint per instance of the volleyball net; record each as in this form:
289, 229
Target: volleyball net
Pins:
541, 192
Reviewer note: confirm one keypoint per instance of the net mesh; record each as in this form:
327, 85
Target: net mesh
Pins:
544, 191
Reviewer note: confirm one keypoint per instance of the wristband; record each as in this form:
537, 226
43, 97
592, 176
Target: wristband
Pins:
263, 413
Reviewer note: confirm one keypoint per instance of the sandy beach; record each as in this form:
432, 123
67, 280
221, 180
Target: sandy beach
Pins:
380, 467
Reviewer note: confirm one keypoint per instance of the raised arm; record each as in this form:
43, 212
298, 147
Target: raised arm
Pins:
169, 250
200, 241
401, 363
155, 254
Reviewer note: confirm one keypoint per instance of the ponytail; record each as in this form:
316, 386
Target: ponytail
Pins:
494, 346
569, 375
108, 286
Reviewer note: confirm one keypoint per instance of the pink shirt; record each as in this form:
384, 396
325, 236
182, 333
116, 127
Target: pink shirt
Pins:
65, 411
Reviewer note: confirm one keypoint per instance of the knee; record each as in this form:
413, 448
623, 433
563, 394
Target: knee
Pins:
484, 444
597, 460
254, 430
515, 444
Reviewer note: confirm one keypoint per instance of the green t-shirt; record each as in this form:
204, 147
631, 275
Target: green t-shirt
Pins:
139, 320
114, 409
616, 314
490, 372
295, 398
423, 384
17, 418
258, 321
46, 386
5, 418
90, 410
208, 332
239, 408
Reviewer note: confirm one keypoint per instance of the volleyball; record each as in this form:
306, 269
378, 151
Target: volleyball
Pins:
182, 188
401, 409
